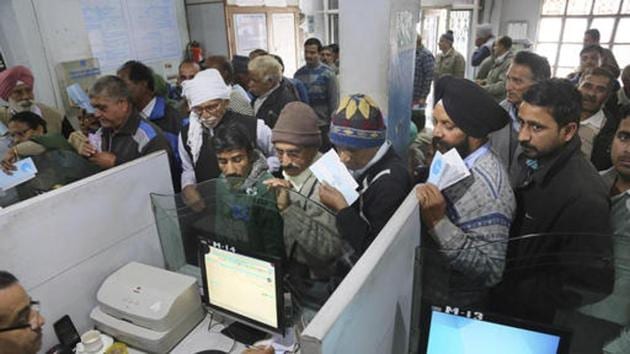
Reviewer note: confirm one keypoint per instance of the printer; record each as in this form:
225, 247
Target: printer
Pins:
148, 308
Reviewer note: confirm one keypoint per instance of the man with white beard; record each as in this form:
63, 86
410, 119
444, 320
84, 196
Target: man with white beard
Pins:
16, 88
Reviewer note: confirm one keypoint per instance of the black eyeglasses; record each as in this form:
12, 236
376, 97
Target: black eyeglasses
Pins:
34, 306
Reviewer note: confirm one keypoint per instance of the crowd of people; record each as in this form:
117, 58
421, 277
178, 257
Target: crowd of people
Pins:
545, 155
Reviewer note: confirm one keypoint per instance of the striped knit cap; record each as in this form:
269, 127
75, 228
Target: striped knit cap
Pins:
357, 123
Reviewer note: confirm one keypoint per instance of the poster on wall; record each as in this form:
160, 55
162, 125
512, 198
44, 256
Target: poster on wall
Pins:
144, 30
251, 32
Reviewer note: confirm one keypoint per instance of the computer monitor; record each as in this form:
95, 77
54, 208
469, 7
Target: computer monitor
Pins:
464, 332
242, 285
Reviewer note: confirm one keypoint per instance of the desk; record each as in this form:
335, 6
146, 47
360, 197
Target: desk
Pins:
200, 339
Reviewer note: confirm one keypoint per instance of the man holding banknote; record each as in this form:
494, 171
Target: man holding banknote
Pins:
467, 223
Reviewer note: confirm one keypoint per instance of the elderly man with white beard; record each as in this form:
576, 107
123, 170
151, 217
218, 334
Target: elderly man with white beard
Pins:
16, 88
208, 97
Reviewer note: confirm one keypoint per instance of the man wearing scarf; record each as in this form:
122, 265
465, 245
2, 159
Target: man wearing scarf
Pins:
16, 87
208, 97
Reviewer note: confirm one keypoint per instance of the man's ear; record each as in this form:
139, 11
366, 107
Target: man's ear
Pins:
568, 131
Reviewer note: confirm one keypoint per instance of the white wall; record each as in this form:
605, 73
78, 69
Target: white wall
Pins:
51, 32
370, 311
62, 244
314, 9
519, 10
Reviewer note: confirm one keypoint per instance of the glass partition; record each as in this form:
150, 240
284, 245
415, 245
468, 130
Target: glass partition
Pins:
251, 216
575, 287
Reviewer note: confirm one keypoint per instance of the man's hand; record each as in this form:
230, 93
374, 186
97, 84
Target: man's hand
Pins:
87, 150
104, 160
281, 186
432, 204
331, 197
192, 198
8, 162
259, 350
418, 101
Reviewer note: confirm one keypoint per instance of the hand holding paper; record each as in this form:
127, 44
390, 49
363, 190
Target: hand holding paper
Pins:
24, 170
329, 169
447, 169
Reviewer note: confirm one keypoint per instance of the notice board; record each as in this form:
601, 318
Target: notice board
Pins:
120, 30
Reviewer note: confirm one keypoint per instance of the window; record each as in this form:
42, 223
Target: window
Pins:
331, 13
562, 25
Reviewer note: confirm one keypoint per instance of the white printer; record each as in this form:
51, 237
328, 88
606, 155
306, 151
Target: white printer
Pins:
148, 308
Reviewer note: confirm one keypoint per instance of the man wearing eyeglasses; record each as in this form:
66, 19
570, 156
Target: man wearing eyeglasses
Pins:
20, 320
526, 69
208, 96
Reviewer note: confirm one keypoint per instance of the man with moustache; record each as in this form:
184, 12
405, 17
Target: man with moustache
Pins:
16, 87
20, 320
558, 191
474, 215
526, 69
208, 97
597, 124
312, 242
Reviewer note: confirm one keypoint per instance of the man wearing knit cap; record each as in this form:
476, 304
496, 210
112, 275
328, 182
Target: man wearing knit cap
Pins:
449, 61
16, 88
312, 242
474, 215
208, 98
358, 133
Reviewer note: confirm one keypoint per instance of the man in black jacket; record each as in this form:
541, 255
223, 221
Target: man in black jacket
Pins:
558, 191
272, 93
358, 133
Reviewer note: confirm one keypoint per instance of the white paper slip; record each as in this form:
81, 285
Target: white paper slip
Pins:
95, 141
26, 170
331, 170
447, 169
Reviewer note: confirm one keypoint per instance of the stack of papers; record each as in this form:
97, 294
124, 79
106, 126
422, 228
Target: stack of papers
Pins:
329, 169
447, 169
26, 171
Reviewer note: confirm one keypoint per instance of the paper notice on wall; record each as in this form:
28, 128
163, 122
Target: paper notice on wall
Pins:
447, 169
329, 169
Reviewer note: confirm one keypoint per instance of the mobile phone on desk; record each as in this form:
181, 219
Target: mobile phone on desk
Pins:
67, 333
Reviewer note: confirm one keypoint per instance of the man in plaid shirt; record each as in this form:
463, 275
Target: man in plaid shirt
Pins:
425, 63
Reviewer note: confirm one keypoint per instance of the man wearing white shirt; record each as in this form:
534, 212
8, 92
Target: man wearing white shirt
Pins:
208, 97
595, 86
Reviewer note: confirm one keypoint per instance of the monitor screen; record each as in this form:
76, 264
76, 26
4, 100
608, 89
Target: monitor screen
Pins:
456, 334
244, 287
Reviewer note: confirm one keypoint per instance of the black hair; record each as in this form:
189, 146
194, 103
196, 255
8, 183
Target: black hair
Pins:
591, 48
593, 32
314, 41
221, 63
538, 65
334, 47
505, 42
139, 72
559, 96
624, 112
279, 59
29, 118
231, 137
600, 72
6, 279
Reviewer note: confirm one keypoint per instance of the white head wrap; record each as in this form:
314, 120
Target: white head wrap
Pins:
205, 86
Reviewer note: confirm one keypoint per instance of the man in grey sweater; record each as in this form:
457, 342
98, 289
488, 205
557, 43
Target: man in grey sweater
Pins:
467, 223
